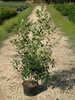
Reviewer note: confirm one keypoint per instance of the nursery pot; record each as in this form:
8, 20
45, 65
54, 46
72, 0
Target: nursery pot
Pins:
30, 87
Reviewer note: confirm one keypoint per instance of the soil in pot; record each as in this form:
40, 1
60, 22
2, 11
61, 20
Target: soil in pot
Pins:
32, 88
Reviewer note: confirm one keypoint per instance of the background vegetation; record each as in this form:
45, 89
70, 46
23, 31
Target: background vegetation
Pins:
64, 24
15, 4
7, 27
47, 1
67, 10
6, 12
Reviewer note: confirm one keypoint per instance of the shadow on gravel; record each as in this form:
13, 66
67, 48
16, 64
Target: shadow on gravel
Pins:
65, 80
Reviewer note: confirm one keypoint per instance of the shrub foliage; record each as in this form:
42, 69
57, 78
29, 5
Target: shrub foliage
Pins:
33, 50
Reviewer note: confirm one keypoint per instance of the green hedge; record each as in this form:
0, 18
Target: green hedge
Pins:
67, 10
6, 12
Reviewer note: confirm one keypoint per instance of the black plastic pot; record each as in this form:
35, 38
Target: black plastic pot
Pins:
34, 89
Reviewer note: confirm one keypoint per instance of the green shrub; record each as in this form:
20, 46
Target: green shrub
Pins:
33, 56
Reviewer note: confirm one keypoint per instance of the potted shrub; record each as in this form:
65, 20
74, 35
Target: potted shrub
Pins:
33, 56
